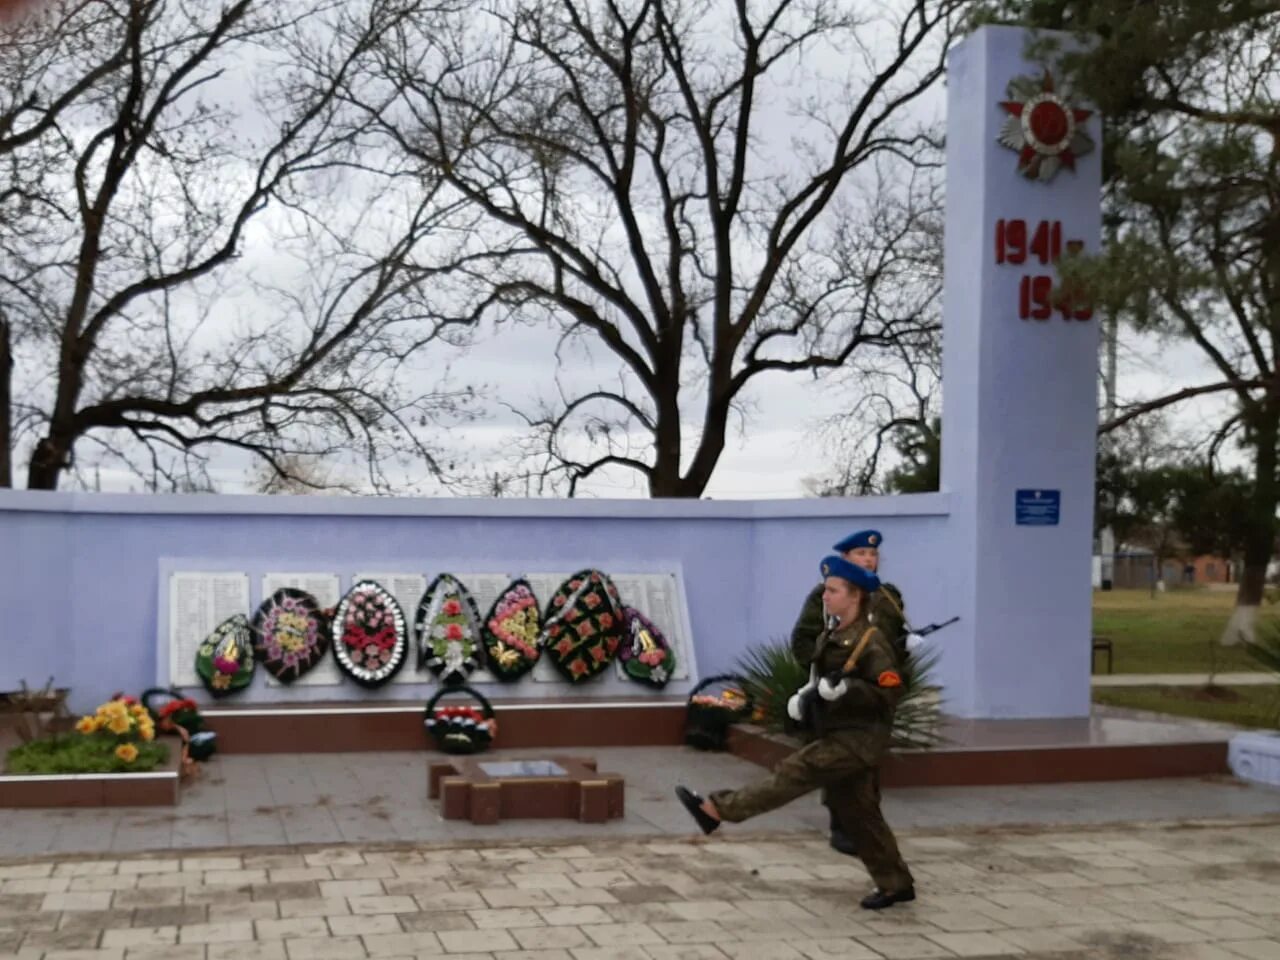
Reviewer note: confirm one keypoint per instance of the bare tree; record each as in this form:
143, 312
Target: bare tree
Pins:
895, 392
194, 261
681, 186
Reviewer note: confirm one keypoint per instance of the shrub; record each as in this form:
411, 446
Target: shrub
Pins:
773, 674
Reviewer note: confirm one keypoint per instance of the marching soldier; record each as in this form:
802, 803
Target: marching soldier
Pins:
887, 612
853, 718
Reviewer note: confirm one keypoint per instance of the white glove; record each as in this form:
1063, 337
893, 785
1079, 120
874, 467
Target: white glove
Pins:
827, 692
794, 707
915, 642
794, 710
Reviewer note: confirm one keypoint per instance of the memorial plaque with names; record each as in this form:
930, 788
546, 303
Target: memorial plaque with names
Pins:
658, 597
198, 603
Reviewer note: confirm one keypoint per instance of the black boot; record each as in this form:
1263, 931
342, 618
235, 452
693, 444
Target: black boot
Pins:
878, 899
693, 803
840, 841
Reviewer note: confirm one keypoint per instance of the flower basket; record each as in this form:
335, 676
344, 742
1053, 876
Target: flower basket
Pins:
461, 729
169, 709
710, 714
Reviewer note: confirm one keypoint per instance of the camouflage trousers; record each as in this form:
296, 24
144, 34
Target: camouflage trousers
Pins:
851, 790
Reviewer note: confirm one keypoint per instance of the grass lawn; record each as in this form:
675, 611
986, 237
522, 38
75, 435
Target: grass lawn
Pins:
1243, 706
1175, 632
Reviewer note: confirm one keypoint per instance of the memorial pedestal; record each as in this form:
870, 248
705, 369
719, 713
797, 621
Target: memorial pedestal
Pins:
487, 790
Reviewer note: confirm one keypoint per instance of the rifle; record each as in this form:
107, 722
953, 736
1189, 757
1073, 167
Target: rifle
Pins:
809, 700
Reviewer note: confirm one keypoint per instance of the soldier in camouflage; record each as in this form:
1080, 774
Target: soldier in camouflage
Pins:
854, 719
887, 612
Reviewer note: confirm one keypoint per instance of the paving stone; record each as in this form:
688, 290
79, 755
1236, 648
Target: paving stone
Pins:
476, 941
314, 907
140, 937
975, 944
37, 885
258, 950
290, 928
355, 926
324, 948
203, 864
402, 944
148, 866
225, 932
504, 918
550, 938
842, 948
1254, 949
61, 939
98, 900
243, 911
904, 947
173, 916
85, 868
383, 904
758, 950
351, 888
104, 882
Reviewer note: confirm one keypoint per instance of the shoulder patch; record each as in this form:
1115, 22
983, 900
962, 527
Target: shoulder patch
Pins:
889, 678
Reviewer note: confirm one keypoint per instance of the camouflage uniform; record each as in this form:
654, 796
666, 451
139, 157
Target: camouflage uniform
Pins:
887, 612
844, 758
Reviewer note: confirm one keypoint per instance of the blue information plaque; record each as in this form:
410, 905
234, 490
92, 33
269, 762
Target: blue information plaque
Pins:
1037, 508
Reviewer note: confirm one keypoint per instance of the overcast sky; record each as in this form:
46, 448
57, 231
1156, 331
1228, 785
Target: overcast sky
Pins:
768, 455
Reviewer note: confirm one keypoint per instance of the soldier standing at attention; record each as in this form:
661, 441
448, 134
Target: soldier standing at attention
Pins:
854, 718
887, 612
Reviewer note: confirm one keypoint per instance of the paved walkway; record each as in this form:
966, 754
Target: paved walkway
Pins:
273, 801
1258, 679
1207, 892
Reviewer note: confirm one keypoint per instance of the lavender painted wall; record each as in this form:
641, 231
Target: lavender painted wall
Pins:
80, 574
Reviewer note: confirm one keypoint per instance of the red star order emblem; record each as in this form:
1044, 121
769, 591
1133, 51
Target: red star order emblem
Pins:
1045, 130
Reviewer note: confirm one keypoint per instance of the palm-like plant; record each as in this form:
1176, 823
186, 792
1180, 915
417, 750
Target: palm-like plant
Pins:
773, 674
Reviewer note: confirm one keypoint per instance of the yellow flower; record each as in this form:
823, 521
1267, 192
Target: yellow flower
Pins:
147, 734
138, 710
87, 724
221, 681
127, 752
113, 709
118, 725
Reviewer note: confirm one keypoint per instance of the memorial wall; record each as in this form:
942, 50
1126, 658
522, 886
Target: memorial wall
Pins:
117, 592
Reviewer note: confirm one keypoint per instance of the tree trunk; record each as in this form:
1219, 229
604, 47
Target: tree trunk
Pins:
1260, 541
50, 457
6, 417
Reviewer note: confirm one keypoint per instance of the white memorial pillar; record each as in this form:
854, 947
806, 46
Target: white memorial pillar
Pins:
1020, 384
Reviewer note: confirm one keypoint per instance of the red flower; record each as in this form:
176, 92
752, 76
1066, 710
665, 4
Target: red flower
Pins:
585, 629
574, 584
553, 631
454, 632
564, 646
592, 600
612, 644
578, 668
451, 608
573, 613
605, 620
559, 601
597, 653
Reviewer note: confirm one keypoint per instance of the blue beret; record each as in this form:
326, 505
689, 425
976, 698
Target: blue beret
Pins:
838, 566
863, 538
